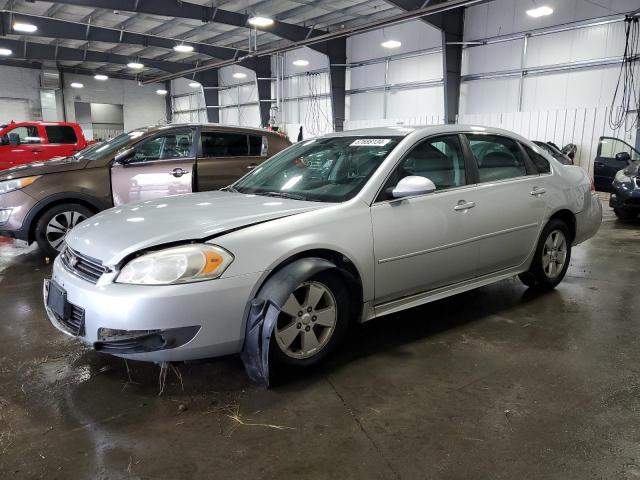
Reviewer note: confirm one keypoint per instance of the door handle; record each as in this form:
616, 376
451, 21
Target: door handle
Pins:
463, 205
178, 172
538, 191
252, 166
598, 164
36, 151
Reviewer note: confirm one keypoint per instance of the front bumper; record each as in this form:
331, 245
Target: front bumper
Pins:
622, 197
157, 323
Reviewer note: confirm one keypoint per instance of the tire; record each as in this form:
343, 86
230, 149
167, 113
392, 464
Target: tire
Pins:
53, 225
625, 213
551, 259
288, 347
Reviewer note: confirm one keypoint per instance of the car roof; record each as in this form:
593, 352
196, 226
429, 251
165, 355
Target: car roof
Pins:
403, 131
217, 126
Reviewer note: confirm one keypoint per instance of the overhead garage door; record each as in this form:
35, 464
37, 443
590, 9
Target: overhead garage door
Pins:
14, 109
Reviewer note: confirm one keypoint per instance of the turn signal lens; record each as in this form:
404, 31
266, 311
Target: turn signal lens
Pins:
184, 264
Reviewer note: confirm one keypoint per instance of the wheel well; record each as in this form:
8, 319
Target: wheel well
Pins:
345, 268
55, 203
569, 219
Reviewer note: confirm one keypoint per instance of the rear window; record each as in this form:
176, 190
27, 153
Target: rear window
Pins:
219, 144
257, 146
541, 163
61, 134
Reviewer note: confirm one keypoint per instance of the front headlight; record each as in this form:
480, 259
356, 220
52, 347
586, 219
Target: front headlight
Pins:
11, 185
184, 264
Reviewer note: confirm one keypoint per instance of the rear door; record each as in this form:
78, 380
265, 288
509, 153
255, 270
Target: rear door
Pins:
161, 165
226, 156
606, 166
510, 199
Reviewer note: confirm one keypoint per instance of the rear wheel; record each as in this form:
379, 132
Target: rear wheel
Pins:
552, 257
53, 225
312, 322
625, 213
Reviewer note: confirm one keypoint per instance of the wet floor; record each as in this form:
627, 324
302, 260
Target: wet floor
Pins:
494, 383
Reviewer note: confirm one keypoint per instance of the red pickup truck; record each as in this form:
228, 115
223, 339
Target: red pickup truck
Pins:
26, 142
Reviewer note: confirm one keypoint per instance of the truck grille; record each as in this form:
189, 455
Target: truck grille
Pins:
84, 267
75, 323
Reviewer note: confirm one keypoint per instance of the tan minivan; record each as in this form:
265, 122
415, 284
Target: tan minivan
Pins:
42, 201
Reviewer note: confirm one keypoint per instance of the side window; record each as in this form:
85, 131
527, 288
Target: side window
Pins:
257, 146
219, 144
498, 158
61, 134
610, 147
164, 147
438, 159
27, 135
541, 163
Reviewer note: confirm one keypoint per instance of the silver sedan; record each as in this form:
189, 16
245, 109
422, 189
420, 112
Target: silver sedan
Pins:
338, 229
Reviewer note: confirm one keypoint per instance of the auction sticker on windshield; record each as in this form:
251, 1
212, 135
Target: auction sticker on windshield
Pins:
370, 142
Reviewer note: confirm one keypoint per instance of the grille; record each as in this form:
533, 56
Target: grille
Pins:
75, 323
85, 267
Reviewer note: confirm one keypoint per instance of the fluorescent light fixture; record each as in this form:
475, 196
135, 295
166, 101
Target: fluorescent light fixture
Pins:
135, 65
194, 84
99, 76
301, 63
239, 75
161, 92
391, 44
540, 11
183, 48
76, 85
260, 21
24, 27
5, 52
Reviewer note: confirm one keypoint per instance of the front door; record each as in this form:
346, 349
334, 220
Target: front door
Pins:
160, 166
227, 156
426, 242
606, 165
510, 200
29, 146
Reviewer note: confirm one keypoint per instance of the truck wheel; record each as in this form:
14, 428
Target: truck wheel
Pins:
53, 225
625, 213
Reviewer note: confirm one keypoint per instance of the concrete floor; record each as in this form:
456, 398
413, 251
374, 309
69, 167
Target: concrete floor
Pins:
495, 383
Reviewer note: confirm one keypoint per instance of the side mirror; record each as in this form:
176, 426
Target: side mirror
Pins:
14, 139
4, 140
125, 156
413, 185
623, 157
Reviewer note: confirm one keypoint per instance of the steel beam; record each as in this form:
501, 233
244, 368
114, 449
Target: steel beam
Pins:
209, 81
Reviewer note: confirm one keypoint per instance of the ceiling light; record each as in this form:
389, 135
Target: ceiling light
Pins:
24, 27
161, 92
540, 11
5, 52
100, 77
260, 21
76, 85
183, 48
135, 65
194, 84
301, 63
391, 44
239, 75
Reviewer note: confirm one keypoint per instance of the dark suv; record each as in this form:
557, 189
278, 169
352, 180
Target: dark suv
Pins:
42, 201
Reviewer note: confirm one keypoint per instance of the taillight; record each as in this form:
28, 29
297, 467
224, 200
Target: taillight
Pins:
593, 185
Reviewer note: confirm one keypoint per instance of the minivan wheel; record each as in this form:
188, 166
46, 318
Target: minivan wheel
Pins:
312, 322
625, 213
552, 257
54, 224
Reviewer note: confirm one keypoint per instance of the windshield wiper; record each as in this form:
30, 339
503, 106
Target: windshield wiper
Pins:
229, 189
292, 196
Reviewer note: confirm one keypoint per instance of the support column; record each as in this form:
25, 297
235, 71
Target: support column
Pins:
209, 81
262, 67
337, 52
452, 25
168, 100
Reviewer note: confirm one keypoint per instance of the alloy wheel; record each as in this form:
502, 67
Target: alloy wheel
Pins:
307, 320
59, 226
554, 254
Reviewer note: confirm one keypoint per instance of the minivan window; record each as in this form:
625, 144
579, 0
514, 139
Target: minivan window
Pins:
498, 158
257, 146
541, 163
60, 134
221, 144
163, 147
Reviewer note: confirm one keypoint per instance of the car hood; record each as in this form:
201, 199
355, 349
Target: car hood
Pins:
118, 232
56, 165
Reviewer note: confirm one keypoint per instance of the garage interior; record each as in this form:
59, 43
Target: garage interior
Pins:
497, 382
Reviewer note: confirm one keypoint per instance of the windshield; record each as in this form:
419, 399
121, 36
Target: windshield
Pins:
98, 151
324, 169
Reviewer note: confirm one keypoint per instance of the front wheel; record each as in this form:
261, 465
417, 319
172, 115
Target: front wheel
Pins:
625, 213
552, 257
312, 322
55, 223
